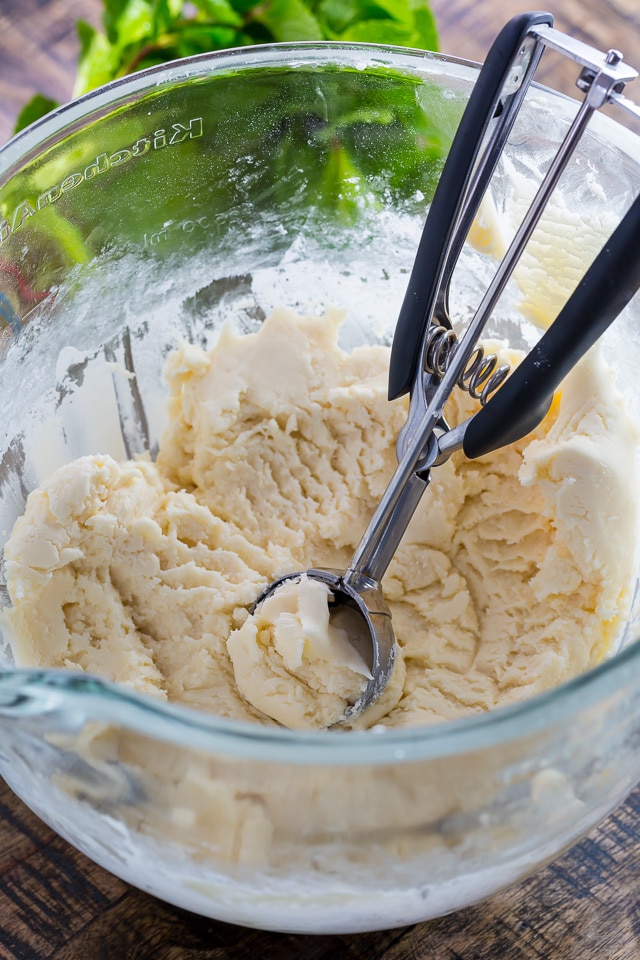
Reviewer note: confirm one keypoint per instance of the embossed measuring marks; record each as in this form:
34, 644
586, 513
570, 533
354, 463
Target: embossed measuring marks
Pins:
197, 225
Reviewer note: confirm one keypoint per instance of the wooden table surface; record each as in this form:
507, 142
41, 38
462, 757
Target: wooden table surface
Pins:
54, 903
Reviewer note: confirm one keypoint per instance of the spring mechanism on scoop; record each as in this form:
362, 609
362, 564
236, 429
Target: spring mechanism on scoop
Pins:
482, 375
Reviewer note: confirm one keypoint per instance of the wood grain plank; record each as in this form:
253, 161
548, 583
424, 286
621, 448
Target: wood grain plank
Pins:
56, 905
39, 48
468, 28
48, 890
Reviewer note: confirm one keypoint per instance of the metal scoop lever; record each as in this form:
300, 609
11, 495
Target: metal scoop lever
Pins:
426, 439
489, 116
522, 402
497, 96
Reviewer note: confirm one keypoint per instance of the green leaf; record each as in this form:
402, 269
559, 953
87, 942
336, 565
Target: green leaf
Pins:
402, 22
200, 38
380, 31
134, 22
65, 235
162, 18
395, 9
367, 114
341, 185
426, 28
38, 106
416, 29
287, 20
220, 12
243, 6
98, 59
340, 14
114, 12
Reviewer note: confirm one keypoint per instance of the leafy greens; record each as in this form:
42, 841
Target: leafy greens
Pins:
143, 33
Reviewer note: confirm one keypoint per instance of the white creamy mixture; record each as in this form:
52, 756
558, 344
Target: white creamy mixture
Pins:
515, 574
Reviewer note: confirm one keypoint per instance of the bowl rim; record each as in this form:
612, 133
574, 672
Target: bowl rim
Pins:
30, 692
293, 54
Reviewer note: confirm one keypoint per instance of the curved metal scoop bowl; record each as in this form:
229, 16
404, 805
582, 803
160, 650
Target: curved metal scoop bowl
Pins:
358, 592
357, 606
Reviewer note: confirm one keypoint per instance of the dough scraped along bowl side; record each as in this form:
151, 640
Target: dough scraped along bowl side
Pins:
213, 191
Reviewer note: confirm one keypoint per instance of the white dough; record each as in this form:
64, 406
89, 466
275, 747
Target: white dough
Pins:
515, 574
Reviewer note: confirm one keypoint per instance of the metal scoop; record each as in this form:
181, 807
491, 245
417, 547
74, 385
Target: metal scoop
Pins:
427, 358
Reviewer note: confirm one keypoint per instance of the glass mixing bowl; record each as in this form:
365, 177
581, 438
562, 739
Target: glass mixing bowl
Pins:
150, 211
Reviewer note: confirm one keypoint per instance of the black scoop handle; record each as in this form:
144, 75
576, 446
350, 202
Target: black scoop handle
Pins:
434, 253
524, 399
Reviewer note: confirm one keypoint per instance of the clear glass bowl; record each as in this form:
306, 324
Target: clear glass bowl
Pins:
151, 210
